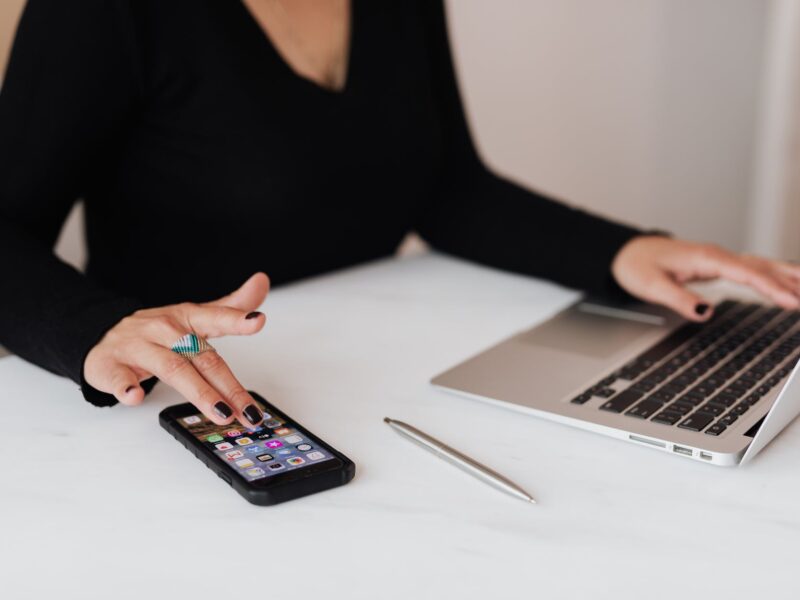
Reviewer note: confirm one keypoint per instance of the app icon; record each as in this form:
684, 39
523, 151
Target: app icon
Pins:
315, 455
214, 437
295, 460
273, 423
245, 463
193, 420
275, 467
282, 431
303, 447
284, 452
254, 449
256, 472
244, 441
273, 444
233, 433
233, 454
265, 457
293, 439
224, 446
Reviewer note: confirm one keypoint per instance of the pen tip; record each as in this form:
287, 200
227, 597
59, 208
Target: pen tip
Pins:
532, 501
387, 420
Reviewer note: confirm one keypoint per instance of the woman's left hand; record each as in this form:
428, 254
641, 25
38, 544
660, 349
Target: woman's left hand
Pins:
656, 268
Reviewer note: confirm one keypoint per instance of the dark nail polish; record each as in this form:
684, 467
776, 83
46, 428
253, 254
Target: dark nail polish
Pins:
253, 315
222, 410
129, 389
252, 414
701, 309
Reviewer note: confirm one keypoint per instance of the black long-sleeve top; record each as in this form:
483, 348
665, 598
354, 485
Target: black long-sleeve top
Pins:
202, 158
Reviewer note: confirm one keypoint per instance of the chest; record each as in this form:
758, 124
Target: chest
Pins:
227, 117
311, 36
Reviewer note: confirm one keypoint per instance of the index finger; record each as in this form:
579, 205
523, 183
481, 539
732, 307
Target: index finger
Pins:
218, 321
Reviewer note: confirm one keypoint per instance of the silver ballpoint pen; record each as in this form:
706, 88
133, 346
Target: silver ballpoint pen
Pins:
461, 461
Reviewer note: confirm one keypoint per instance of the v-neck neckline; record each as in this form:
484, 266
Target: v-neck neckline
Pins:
268, 44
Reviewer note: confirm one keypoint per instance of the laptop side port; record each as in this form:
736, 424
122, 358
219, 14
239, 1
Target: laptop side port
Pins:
706, 456
682, 450
648, 441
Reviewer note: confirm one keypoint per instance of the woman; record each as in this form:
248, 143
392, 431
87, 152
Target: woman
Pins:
211, 139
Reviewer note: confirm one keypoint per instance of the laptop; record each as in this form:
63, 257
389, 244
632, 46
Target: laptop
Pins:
716, 392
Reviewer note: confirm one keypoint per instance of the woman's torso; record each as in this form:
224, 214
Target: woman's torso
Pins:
232, 163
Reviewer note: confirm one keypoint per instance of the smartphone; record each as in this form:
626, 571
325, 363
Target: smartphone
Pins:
277, 461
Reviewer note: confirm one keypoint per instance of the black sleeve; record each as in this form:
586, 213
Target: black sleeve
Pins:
475, 214
69, 91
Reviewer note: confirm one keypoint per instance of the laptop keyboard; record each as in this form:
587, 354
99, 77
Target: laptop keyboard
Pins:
703, 377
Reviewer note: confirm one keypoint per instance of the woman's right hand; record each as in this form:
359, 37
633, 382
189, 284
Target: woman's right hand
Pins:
138, 347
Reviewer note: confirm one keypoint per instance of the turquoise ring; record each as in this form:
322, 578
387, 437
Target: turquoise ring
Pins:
191, 345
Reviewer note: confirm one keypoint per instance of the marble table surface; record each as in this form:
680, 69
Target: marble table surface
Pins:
100, 503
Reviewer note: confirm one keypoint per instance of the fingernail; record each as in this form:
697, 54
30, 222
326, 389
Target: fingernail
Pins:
701, 309
129, 389
252, 414
222, 410
253, 315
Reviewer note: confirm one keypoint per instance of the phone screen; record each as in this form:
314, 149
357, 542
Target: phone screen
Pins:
274, 447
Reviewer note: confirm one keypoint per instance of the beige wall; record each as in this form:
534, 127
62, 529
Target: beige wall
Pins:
641, 109
9, 13
775, 208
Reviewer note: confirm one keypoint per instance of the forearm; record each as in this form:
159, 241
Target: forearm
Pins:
50, 314
485, 218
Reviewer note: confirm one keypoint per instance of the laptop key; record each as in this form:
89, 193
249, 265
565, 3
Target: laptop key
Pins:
622, 400
696, 422
713, 408
724, 399
681, 408
628, 374
703, 389
645, 409
716, 429
774, 380
582, 399
664, 395
645, 385
604, 392
667, 417
734, 391
691, 399
751, 399
673, 387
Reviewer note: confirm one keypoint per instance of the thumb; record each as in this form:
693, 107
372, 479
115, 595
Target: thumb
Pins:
249, 296
668, 292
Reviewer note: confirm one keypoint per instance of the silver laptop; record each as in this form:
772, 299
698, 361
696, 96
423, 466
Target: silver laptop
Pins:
716, 392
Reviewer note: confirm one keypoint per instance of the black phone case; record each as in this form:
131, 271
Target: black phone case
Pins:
272, 494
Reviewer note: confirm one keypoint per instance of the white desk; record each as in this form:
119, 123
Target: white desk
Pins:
102, 503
